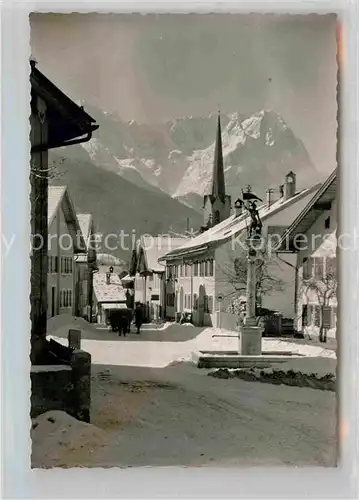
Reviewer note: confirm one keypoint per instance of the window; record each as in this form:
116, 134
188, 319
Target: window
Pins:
206, 268
181, 270
56, 265
185, 269
318, 268
327, 223
307, 268
66, 298
210, 303
205, 303
217, 217
201, 268
195, 302
210, 268
195, 269
310, 315
70, 298
61, 298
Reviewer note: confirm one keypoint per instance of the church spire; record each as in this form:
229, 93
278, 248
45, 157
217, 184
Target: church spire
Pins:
218, 185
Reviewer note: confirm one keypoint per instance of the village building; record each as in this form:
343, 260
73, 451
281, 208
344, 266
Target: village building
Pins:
65, 241
313, 237
149, 273
207, 272
56, 121
85, 266
108, 295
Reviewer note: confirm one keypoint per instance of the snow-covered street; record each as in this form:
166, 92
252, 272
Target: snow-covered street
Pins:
159, 346
158, 408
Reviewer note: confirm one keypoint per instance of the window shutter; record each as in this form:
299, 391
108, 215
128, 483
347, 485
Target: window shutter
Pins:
305, 315
331, 267
327, 317
318, 268
316, 315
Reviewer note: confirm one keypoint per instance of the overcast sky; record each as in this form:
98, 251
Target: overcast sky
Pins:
156, 67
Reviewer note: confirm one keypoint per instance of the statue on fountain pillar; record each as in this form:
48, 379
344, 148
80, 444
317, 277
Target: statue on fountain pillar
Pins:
255, 228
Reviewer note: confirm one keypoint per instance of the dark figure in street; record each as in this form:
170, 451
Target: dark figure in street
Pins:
129, 313
123, 322
138, 316
114, 320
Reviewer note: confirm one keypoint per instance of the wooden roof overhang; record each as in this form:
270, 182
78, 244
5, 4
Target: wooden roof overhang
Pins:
68, 123
320, 202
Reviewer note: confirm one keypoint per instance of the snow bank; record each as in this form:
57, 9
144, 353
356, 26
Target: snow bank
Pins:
59, 440
59, 326
315, 373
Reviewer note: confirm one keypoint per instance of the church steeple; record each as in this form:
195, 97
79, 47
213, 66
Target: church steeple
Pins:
217, 204
218, 185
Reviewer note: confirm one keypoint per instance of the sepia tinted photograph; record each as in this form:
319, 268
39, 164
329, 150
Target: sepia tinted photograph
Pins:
184, 212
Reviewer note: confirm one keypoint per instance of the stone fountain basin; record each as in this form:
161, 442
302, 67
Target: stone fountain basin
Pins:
233, 359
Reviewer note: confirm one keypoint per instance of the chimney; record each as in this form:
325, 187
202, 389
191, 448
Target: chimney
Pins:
108, 278
289, 185
238, 207
269, 197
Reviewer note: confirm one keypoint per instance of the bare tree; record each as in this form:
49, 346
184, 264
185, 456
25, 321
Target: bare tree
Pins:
324, 289
235, 274
51, 173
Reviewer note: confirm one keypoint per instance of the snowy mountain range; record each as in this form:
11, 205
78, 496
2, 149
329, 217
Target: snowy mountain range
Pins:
151, 178
177, 157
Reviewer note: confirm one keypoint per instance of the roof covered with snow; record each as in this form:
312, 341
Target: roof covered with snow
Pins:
85, 221
234, 225
156, 247
55, 195
59, 196
321, 201
112, 292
